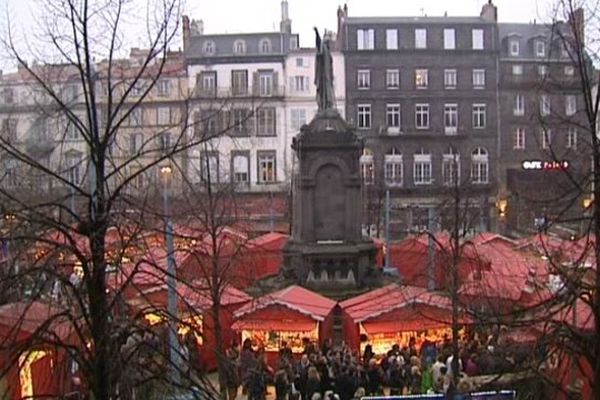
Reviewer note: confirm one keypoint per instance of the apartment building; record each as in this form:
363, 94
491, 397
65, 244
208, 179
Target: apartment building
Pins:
144, 128
543, 126
421, 92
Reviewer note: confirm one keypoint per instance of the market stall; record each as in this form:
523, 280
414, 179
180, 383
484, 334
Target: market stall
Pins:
293, 315
194, 307
33, 365
394, 315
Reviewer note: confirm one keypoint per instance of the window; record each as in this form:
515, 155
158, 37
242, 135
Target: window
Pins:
301, 62
293, 42
299, 83
572, 138
542, 70
265, 121
449, 39
364, 116
513, 47
242, 123
420, 38
478, 116
421, 80
70, 92
8, 95
9, 130
209, 167
544, 104
422, 167
393, 168
298, 118
367, 167
165, 141
391, 39
392, 78
239, 82
519, 139
569, 70
9, 177
135, 117
135, 143
72, 133
451, 167
239, 47
570, 105
477, 39
450, 118
137, 89
207, 82
265, 46
209, 47
365, 39
479, 78
546, 138
363, 78
450, 78
266, 167
163, 115
392, 116
73, 167
240, 163
519, 108
517, 69
162, 86
265, 83
422, 116
540, 48
479, 166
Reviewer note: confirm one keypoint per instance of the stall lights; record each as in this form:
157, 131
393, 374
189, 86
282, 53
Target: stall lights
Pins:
587, 202
502, 206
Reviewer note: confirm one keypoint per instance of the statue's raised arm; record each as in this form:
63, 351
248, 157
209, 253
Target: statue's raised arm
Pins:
324, 73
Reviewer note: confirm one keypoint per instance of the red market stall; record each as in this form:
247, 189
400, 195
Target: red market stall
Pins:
289, 315
31, 364
263, 257
195, 310
393, 315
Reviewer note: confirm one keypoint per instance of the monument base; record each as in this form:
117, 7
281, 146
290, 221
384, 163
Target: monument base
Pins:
329, 264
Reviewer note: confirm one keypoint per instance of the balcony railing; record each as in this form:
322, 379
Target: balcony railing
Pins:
228, 92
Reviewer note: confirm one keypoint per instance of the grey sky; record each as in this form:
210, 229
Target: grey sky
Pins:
263, 15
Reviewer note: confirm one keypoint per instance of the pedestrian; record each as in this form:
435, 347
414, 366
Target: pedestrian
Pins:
257, 383
231, 374
282, 384
313, 383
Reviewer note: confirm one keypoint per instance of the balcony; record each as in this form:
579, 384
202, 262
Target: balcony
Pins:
229, 92
450, 130
390, 130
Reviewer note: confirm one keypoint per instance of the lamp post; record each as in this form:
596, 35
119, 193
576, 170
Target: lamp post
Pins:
174, 356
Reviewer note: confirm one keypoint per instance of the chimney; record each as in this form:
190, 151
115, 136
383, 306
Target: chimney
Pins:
489, 12
576, 22
186, 32
285, 26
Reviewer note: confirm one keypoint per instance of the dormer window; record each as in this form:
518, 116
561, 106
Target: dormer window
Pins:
540, 48
513, 47
239, 47
209, 47
265, 46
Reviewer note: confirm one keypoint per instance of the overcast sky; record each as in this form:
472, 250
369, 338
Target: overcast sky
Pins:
232, 16
263, 15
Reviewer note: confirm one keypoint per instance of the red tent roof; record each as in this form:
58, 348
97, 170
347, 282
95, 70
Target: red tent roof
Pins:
295, 298
269, 241
23, 319
388, 298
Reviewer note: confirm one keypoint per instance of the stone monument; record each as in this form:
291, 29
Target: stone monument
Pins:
327, 249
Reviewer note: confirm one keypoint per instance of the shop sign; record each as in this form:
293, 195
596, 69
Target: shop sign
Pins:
545, 165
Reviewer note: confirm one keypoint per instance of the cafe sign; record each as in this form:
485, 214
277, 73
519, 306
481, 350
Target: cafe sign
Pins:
545, 165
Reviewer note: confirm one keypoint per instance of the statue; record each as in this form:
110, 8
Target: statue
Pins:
324, 74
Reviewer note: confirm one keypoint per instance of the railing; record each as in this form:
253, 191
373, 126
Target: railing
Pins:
228, 92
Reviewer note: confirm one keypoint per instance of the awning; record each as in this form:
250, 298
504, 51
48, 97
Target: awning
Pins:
275, 325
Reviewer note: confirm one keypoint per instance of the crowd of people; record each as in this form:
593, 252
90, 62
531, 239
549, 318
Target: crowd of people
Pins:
340, 373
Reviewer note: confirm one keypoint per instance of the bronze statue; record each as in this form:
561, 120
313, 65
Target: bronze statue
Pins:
324, 74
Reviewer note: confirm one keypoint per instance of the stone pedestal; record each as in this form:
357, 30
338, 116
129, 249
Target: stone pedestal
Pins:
327, 249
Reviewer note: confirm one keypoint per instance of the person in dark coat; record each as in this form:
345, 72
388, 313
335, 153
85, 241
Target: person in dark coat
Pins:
231, 375
313, 383
345, 385
282, 385
257, 383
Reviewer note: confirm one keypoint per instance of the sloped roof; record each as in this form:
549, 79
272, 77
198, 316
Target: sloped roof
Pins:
23, 319
388, 298
295, 298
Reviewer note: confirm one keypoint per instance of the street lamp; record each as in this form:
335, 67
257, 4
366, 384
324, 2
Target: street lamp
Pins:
174, 357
